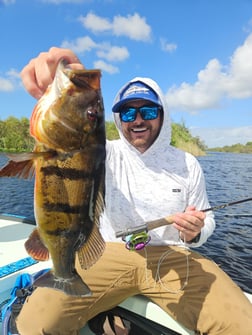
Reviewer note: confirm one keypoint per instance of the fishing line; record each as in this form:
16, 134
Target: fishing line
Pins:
136, 239
161, 260
146, 267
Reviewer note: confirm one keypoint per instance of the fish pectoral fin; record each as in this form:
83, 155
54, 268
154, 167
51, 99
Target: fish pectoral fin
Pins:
21, 157
18, 168
36, 248
92, 250
22, 164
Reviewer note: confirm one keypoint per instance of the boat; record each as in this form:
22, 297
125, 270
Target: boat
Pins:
14, 260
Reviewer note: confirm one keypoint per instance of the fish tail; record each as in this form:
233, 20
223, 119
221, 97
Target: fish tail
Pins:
73, 286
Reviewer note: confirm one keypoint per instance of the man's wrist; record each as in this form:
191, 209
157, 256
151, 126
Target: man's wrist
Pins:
194, 240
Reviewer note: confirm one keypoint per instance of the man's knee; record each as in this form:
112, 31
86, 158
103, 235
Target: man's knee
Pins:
48, 311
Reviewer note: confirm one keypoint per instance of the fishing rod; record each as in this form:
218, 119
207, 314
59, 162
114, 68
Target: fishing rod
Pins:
214, 208
149, 225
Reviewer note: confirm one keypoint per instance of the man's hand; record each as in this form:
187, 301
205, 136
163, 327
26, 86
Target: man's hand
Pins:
189, 223
40, 71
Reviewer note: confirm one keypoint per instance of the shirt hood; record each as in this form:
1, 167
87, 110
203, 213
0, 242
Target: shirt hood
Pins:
164, 137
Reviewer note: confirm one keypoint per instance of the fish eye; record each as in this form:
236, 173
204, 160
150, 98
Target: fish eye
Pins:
92, 114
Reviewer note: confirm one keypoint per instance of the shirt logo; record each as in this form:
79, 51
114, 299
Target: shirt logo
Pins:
176, 190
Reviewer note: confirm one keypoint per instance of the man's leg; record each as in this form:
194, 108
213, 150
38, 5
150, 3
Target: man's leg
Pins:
111, 280
210, 302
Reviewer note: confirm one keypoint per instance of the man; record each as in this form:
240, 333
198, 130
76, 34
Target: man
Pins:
146, 179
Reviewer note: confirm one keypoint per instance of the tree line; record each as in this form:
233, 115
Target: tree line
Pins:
235, 148
15, 136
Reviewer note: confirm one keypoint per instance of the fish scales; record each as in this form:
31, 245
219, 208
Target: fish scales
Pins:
68, 126
69, 198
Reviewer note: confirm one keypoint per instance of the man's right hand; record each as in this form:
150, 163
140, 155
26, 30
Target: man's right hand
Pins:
40, 71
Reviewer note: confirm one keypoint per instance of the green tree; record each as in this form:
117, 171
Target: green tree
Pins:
15, 136
111, 131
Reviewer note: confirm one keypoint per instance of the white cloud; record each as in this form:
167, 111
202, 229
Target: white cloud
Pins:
7, 2
80, 45
205, 93
103, 66
12, 73
103, 50
216, 82
166, 46
219, 137
239, 84
248, 27
131, 26
113, 53
95, 23
6, 85
10, 81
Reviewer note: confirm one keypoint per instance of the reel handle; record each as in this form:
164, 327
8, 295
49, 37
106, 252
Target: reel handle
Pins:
146, 227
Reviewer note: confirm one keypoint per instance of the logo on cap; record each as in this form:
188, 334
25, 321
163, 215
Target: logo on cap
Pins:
135, 89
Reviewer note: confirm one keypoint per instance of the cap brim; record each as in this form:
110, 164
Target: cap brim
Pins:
116, 108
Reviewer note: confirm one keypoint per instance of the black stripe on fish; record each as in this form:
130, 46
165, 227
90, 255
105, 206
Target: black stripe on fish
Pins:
72, 174
79, 237
65, 208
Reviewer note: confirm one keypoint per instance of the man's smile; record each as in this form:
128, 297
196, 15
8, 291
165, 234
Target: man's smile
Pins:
139, 130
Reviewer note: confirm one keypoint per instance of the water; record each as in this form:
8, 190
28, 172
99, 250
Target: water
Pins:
16, 195
228, 178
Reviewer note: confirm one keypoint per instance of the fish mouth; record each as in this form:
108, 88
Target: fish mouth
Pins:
70, 111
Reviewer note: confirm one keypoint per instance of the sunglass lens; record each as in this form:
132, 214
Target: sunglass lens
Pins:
128, 114
149, 113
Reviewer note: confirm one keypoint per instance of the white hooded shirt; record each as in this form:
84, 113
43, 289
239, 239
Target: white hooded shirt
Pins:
141, 187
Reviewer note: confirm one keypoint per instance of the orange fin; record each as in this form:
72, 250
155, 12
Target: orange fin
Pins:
22, 169
21, 157
35, 247
92, 250
21, 165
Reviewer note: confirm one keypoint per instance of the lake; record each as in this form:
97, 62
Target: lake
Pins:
228, 178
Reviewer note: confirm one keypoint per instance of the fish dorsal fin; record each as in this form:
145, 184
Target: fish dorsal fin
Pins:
35, 247
92, 250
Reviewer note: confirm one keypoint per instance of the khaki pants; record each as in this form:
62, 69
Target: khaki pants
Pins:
210, 301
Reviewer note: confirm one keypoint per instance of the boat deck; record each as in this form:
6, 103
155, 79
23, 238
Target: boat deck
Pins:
14, 260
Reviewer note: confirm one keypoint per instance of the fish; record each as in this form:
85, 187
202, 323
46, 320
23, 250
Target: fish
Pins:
68, 165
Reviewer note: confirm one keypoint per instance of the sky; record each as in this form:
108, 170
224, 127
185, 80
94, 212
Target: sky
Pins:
198, 51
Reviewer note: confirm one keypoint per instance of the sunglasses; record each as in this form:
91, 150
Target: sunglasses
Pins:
129, 114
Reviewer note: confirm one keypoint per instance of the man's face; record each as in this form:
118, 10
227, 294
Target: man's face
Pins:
141, 133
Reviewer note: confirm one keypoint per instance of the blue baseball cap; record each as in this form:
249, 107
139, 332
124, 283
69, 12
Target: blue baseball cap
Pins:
134, 91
